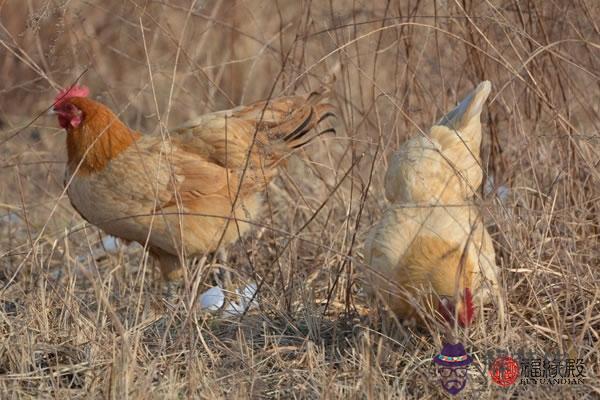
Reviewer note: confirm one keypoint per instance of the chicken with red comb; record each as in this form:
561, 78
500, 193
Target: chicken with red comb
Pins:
430, 251
73, 91
68, 114
186, 196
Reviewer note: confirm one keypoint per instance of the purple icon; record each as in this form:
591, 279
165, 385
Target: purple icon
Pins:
452, 364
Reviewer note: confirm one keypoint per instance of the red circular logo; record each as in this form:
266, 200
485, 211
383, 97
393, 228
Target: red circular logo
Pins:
504, 371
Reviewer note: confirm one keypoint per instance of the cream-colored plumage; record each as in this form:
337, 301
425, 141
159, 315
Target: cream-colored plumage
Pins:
431, 242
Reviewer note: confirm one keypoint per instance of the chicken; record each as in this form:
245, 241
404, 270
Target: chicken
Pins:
430, 251
186, 196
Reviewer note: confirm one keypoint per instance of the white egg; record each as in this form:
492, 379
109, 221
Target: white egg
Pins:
247, 300
248, 294
212, 299
110, 244
233, 309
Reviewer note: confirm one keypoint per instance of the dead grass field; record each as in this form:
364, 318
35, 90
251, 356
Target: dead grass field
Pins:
78, 321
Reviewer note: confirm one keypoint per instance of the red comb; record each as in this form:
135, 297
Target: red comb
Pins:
73, 91
467, 313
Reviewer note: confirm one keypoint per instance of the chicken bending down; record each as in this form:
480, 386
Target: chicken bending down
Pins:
185, 195
431, 251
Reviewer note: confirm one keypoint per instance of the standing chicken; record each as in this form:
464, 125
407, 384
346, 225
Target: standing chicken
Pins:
189, 194
430, 250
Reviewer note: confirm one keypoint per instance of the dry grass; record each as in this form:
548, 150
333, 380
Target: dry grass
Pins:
76, 321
